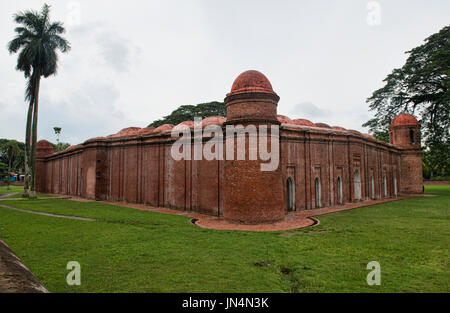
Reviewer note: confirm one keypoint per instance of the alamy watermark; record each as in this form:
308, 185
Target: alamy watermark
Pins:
374, 277
188, 148
74, 276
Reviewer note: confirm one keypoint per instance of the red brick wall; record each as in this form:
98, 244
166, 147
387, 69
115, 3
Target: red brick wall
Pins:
141, 170
250, 195
411, 172
326, 155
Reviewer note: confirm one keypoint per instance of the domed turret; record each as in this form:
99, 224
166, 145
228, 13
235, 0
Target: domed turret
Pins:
251, 99
253, 103
405, 131
44, 148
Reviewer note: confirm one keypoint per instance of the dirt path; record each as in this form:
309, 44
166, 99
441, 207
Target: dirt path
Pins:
26, 199
15, 277
48, 214
6, 195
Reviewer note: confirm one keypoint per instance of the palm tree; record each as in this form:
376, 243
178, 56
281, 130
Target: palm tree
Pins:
37, 39
11, 150
57, 132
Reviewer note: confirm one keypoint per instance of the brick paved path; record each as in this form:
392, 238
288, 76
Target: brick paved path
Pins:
14, 275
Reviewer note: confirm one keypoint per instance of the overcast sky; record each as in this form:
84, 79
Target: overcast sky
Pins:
135, 61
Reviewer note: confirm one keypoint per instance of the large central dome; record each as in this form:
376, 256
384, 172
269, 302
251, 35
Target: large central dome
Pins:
251, 81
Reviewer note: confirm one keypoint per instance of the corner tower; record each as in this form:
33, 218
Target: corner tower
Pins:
251, 195
404, 133
43, 149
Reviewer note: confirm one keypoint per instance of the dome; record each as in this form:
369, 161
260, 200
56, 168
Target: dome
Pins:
126, 132
338, 128
303, 122
44, 144
70, 148
184, 125
405, 120
322, 125
369, 136
146, 130
43, 148
95, 139
352, 131
251, 81
284, 119
187, 123
213, 120
162, 128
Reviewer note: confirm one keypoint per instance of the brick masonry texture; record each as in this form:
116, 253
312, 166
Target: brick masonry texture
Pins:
327, 166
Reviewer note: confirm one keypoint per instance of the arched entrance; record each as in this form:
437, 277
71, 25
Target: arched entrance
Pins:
290, 195
339, 190
318, 192
357, 185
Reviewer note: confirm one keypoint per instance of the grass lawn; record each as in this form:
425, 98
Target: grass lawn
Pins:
128, 250
13, 189
4, 189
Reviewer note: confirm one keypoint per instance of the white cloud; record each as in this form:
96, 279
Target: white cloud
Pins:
135, 61
309, 110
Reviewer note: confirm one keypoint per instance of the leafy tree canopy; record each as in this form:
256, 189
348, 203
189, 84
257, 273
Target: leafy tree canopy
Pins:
381, 135
36, 42
18, 159
60, 146
3, 169
189, 112
422, 88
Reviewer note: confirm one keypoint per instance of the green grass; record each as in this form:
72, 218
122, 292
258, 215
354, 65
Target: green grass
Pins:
19, 189
128, 250
4, 189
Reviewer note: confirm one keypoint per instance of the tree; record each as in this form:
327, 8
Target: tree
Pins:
37, 39
60, 146
189, 112
4, 172
422, 88
381, 135
57, 132
18, 163
11, 150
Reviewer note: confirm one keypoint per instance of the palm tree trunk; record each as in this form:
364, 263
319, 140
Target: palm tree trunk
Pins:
34, 137
27, 158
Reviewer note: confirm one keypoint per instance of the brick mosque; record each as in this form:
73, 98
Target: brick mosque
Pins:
319, 165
